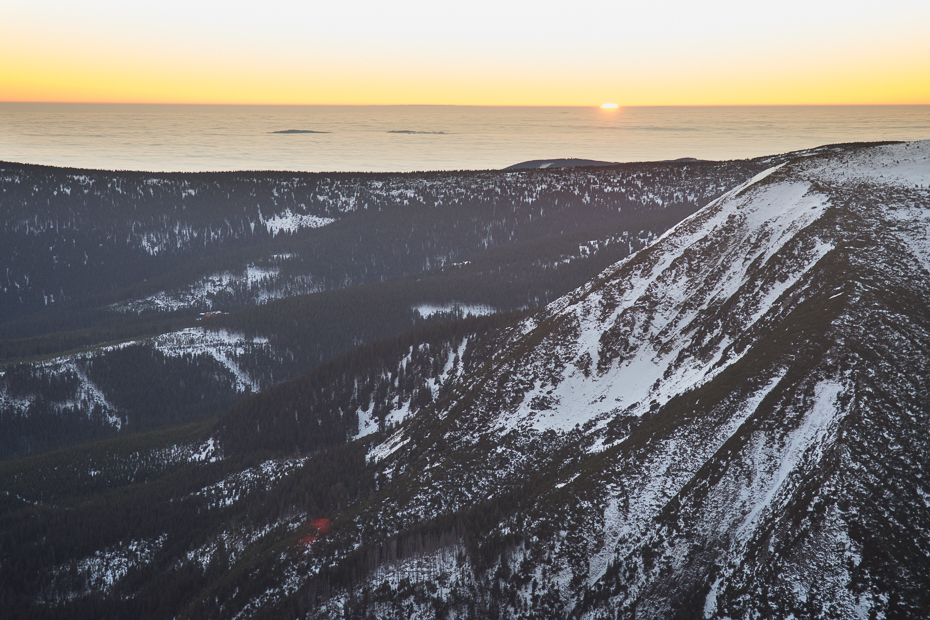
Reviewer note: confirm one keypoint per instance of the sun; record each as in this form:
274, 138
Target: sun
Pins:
609, 106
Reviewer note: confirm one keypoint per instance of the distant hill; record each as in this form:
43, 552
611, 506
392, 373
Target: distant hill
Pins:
289, 131
571, 162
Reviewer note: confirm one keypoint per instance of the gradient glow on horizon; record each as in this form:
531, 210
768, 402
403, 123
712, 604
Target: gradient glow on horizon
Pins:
482, 52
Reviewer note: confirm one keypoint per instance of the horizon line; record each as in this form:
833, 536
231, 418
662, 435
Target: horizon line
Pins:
471, 105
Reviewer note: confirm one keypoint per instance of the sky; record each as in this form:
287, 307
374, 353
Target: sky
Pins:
480, 52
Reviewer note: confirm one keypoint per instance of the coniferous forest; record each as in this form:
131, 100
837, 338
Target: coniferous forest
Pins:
203, 377
132, 301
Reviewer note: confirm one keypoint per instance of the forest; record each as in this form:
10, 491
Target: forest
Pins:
266, 276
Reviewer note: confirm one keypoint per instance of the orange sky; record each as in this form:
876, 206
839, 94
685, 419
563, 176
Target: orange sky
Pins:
482, 53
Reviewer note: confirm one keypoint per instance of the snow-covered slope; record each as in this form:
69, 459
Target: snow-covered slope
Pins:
729, 423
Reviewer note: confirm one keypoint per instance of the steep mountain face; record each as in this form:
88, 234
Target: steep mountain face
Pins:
731, 423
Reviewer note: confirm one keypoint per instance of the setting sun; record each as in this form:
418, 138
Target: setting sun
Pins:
609, 106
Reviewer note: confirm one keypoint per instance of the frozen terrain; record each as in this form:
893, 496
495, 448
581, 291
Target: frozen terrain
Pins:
729, 423
720, 394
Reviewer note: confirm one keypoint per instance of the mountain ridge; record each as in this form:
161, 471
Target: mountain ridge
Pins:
731, 422
806, 307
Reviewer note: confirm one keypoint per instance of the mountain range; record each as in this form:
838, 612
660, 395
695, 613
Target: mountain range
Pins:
729, 422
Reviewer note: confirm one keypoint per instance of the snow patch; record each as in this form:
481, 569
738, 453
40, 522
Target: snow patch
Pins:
428, 310
802, 444
256, 283
208, 452
290, 222
98, 573
221, 345
389, 447
710, 604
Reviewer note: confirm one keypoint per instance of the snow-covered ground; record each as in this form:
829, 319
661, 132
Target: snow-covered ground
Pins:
257, 283
86, 397
221, 345
400, 409
653, 306
101, 571
291, 222
234, 487
904, 165
640, 342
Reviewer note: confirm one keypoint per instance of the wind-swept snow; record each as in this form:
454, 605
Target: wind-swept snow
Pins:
903, 165
654, 307
802, 445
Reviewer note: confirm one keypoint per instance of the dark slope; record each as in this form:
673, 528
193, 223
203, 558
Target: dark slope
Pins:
142, 525
76, 240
